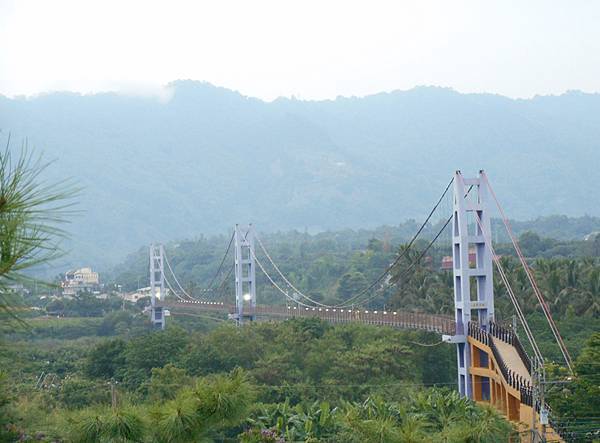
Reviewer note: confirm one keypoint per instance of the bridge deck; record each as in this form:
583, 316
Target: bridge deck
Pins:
398, 319
511, 357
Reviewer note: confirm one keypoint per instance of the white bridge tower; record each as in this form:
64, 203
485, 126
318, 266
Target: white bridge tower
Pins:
472, 266
245, 275
157, 285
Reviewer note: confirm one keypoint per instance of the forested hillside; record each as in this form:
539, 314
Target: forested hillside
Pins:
320, 260
209, 157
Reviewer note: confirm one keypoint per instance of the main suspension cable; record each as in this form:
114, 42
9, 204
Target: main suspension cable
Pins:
210, 285
353, 299
408, 270
175, 277
222, 286
174, 291
262, 247
273, 282
209, 288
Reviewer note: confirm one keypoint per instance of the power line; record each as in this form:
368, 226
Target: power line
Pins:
197, 315
308, 385
427, 344
332, 385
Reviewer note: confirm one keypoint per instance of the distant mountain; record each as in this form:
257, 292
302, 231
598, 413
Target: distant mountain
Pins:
209, 157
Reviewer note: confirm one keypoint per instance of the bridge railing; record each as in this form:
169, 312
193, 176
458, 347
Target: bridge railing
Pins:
403, 319
473, 330
400, 319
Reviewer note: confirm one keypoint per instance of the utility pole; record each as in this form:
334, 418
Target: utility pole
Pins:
543, 410
538, 380
534, 363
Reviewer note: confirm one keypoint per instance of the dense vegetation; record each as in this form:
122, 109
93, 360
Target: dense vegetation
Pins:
308, 379
294, 381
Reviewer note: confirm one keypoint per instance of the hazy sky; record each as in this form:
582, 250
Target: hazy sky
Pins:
310, 49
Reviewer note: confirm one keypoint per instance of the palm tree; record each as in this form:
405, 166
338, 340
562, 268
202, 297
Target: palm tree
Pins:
487, 426
412, 429
371, 430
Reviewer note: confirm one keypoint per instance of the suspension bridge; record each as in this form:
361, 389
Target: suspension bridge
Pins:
493, 366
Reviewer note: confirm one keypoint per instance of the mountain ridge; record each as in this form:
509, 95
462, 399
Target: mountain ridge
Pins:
209, 157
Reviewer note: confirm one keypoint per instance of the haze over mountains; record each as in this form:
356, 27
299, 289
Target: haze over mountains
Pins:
209, 157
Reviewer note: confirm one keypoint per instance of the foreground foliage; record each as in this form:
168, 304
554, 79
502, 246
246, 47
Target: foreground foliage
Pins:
310, 378
223, 406
31, 212
425, 416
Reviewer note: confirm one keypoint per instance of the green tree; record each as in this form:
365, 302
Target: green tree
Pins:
580, 399
152, 350
215, 403
115, 321
106, 359
77, 392
351, 284
531, 243
8, 419
100, 425
165, 382
224, 349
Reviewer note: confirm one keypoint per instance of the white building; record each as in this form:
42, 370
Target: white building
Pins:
78, 280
